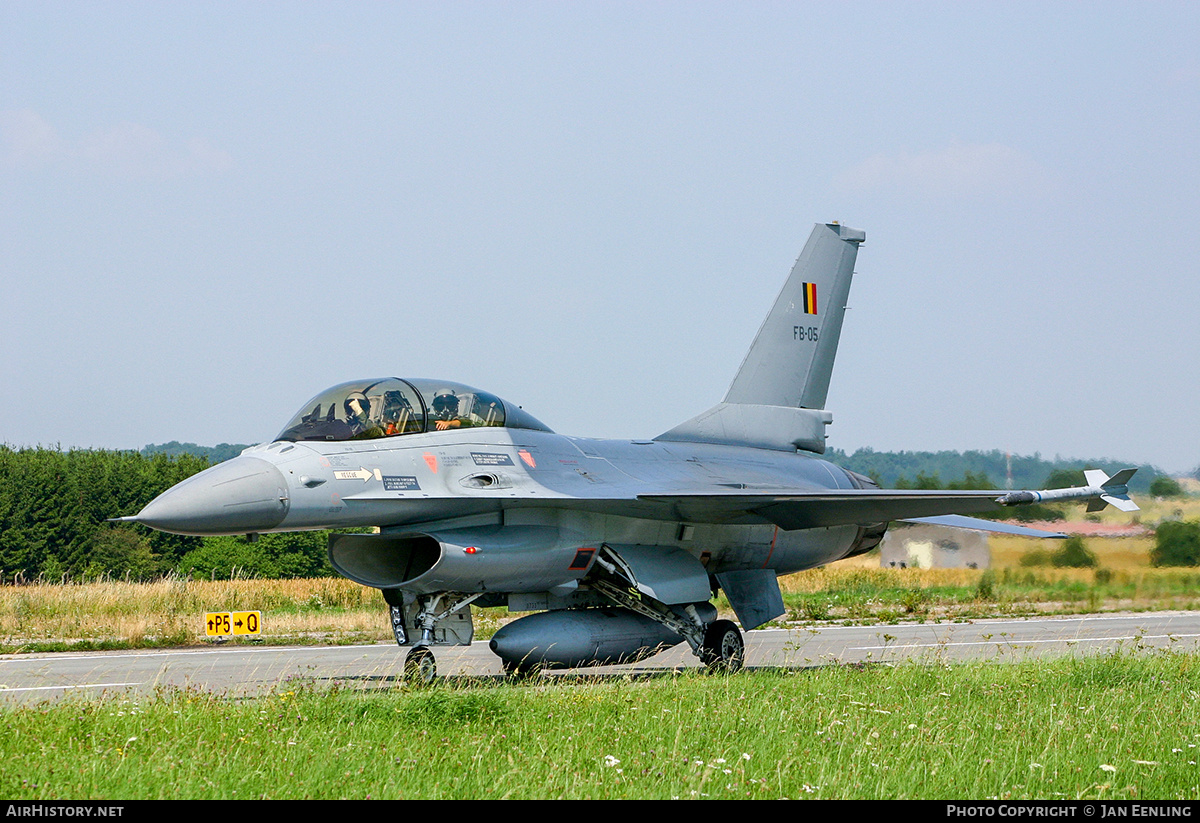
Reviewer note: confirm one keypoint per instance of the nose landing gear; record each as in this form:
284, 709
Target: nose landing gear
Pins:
420, 667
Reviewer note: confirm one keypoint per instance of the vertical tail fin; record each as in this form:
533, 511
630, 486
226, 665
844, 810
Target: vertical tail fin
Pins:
791, 360
777, 399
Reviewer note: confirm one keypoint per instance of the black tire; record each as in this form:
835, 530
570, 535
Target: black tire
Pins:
723, 649
420, 667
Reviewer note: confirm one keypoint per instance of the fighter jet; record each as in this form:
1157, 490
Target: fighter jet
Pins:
615, 547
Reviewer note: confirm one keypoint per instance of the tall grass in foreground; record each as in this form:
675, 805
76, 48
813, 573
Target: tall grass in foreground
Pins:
1118, 726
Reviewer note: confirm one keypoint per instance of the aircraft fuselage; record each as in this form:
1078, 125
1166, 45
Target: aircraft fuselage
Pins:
620, 544
510, 477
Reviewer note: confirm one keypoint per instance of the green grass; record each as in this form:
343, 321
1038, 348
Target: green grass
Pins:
1118, 726
871, 595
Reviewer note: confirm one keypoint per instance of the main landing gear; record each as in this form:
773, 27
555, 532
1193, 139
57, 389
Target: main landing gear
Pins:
723, 649
718, 643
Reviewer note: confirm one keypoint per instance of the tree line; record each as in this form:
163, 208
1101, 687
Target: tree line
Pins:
54, 508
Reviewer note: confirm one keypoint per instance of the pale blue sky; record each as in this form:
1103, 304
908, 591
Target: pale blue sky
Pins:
211, 211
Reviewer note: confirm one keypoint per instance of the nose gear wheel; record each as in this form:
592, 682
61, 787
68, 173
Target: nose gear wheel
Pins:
420, 667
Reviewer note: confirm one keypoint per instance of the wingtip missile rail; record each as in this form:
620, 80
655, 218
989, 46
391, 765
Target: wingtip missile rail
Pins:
1100, 491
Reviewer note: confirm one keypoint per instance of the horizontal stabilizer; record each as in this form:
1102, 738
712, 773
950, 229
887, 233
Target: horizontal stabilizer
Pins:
958, 521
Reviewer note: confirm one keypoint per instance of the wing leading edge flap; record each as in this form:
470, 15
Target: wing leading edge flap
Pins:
810, 510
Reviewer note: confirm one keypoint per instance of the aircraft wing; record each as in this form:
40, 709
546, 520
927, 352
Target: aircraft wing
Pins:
828, 507
818, 508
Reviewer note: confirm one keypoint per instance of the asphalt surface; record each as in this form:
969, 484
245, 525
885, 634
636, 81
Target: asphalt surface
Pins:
249, 670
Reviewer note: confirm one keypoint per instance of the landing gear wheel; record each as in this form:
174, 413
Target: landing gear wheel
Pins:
723, 649
420, 667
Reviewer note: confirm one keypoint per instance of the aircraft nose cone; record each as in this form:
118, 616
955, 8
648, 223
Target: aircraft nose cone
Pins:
244, 494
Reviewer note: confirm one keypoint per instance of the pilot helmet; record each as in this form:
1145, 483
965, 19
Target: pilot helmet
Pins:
445, 402
357, 405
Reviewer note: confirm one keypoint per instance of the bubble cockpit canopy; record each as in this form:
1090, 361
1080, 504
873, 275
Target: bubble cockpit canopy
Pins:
389, 406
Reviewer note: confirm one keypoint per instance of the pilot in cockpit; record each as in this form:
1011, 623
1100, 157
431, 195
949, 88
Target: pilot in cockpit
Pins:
358, 417
445, 411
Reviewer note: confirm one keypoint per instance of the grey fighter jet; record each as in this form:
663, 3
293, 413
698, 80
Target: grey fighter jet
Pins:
616, 547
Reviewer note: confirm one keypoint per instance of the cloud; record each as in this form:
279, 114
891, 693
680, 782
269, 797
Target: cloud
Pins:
130, 150
133, 150
28, 141
988, 169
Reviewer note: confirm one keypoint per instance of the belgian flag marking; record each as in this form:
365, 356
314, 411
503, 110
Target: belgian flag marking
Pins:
810, 298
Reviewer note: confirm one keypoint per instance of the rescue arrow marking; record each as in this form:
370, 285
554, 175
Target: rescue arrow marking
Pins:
364, 474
